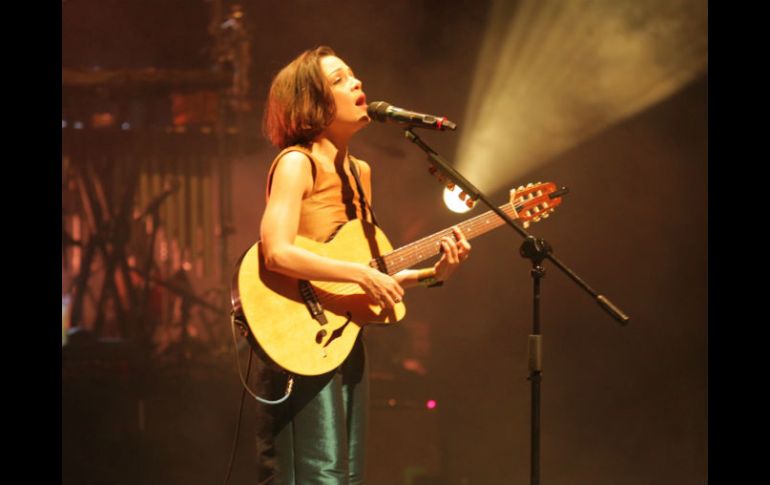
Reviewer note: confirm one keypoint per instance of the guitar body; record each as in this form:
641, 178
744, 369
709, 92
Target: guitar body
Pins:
280, 315
309, 327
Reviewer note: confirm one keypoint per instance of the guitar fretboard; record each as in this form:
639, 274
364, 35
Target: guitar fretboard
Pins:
427, 247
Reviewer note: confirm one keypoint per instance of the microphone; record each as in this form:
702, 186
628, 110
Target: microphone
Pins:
384, 112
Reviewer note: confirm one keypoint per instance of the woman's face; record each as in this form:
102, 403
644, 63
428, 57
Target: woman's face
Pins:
348, 95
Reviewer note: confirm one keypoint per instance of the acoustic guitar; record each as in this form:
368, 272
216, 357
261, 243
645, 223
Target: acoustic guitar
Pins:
309, 327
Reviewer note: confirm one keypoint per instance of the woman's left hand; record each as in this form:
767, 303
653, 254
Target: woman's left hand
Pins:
455, 251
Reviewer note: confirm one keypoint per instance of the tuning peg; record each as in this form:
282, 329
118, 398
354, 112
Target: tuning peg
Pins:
526, 224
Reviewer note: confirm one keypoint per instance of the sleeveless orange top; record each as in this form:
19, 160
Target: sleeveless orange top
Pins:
335, 198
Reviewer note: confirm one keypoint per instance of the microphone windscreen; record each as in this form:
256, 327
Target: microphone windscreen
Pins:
376, 110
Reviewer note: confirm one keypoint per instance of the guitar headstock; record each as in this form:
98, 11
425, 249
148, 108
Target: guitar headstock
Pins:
534, 202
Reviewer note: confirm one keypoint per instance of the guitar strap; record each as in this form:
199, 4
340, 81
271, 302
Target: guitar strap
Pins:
361, 193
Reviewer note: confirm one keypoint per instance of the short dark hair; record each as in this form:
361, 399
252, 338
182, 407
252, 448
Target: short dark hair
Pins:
300, 103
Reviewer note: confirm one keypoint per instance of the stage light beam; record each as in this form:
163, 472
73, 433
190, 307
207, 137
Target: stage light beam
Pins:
551, 74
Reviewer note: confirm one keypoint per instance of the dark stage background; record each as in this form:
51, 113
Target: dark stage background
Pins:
621, 405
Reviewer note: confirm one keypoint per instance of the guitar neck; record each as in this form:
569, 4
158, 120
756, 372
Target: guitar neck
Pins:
427, 247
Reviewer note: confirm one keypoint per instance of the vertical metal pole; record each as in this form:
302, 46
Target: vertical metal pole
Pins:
225, 201
535, 250
535, 371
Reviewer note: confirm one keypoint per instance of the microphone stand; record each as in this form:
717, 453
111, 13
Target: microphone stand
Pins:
536, 250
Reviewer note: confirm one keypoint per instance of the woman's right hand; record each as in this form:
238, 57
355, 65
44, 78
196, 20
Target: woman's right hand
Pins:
381, 288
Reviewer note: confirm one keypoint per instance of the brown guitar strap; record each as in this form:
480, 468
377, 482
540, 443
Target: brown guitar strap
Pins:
361, 193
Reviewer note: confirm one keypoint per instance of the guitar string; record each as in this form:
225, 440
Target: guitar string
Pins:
428, 242
413, 253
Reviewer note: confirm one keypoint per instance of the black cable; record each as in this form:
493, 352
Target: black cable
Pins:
240, 417
245, 389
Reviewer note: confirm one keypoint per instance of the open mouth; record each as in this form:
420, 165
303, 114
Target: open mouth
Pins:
361, 100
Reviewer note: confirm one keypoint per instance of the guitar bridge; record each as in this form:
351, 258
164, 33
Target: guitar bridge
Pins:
308, 295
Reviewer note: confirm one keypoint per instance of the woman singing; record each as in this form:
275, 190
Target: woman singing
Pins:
314, 107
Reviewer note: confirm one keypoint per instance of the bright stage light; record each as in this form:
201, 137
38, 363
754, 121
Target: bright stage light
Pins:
453, 201
552, 74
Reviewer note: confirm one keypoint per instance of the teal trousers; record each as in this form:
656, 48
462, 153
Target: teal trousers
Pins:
318, 435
